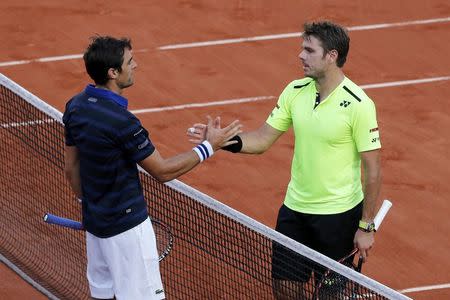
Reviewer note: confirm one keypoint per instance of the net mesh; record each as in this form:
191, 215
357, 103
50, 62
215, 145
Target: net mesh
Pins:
217, 253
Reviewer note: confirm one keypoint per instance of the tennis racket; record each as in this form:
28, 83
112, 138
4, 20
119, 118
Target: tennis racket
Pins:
335, 286
164, 237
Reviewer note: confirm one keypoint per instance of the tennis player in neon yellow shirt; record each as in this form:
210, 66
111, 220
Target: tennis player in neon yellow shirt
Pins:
326, 206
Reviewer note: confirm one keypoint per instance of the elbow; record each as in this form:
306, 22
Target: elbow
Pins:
162, 177
261, 149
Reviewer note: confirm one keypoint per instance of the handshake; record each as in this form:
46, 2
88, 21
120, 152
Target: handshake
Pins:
219, 138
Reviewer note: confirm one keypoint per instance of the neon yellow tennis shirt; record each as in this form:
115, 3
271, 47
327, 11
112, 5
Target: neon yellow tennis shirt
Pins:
326, 168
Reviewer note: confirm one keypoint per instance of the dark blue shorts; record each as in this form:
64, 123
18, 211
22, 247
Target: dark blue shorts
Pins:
331, 235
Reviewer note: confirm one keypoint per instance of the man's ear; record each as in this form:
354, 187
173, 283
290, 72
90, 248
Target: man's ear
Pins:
112, 73
333, 55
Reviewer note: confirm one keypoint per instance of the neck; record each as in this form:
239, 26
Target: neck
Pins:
327, 83
111, 86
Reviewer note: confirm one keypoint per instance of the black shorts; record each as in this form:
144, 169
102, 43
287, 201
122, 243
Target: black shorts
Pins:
331, 235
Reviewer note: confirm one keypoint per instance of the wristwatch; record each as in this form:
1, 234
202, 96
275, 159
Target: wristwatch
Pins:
366, 227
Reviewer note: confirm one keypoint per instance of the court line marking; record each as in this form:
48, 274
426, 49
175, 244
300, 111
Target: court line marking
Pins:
51, 59
234, 41
425, 288
298, 34
263, 98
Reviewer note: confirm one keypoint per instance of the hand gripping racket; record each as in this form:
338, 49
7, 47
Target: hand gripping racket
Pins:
164, 237
332, 284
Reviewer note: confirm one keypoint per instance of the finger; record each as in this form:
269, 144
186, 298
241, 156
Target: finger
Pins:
363, 254
234, 131
210, 122
229, 143
232, 125
195, 141
217, 122
199, 126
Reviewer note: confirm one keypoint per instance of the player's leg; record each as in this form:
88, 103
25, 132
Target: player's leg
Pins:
133, 260
98, 273
334, 238
290, 270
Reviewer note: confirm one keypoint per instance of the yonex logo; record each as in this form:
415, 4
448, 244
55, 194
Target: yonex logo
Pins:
141, 146
374, 140
345, 103
159, 292
92, 99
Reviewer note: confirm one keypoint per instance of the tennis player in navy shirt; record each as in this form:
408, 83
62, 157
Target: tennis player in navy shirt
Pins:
104, 144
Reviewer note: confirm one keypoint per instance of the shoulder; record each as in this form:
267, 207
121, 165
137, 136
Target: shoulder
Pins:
355, 94
299, 84
295, 87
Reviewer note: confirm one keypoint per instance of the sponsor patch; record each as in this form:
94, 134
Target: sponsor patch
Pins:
373, 130
141, 146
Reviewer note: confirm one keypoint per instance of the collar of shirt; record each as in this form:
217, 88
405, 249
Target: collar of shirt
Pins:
91, 90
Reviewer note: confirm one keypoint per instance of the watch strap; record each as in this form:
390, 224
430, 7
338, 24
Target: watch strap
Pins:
366, 226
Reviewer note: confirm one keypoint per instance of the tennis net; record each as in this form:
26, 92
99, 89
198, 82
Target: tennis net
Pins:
218, 253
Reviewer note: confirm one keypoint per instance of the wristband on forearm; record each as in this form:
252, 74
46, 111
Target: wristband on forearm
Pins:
203, 150
236, 147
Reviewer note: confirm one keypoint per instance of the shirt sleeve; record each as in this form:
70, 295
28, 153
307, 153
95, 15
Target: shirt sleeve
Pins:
365, 127
68, 136
135, 141
280, 118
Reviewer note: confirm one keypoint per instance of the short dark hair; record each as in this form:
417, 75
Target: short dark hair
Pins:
332, 37
103, 53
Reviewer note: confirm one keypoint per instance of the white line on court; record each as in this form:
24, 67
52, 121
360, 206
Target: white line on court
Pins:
297, 34
236, 40
191, 105
50, 58
263, 98
425, 288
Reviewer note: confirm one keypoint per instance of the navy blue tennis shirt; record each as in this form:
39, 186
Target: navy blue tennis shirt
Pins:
110, 141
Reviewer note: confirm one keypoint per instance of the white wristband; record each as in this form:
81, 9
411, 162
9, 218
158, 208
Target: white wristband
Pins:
204, 150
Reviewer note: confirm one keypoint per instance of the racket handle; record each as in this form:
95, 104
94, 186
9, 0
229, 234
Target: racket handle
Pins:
382, 213
52, 219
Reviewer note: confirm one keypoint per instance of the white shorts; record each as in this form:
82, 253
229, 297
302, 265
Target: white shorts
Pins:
125, 266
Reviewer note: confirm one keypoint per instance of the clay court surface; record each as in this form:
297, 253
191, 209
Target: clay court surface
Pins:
412, 248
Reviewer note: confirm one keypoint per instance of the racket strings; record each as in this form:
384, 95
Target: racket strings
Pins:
164, 238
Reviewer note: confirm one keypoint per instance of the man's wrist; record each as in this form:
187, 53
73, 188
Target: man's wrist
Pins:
236, 147
366, 226
204, 150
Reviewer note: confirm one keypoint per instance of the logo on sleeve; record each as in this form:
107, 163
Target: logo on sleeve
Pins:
141, 146
140, 130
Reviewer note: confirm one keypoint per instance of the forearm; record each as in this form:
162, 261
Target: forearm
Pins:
177, 165
73, 176
252, 143
258, 141
372, 183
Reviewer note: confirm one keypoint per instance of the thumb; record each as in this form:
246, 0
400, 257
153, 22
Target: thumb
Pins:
210, 122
